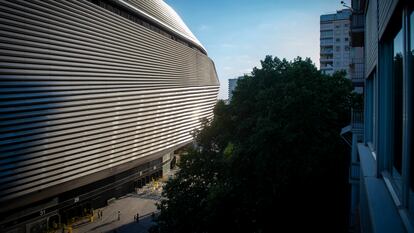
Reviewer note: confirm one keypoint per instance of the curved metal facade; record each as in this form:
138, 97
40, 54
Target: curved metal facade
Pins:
162, 14
84, 89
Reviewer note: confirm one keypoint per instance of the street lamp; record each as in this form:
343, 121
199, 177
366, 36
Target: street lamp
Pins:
344, 5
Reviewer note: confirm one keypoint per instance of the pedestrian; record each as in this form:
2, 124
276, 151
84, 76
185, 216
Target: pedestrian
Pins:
119, 215
137, 217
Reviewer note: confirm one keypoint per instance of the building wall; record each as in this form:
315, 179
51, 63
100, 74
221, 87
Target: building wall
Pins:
341, 50
371, 37
385, 10
89, 90
386, 155
326, 46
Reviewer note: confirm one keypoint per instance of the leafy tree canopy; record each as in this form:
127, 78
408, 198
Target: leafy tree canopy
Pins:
270, 160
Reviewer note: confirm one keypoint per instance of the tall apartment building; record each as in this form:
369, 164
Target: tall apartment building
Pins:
232, 86
335, 42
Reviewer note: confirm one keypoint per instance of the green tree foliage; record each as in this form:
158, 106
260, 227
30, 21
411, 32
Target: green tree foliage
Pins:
271, 160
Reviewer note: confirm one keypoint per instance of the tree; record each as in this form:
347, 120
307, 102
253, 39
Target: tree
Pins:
269, 159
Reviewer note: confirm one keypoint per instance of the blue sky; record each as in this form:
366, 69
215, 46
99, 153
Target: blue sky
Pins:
239, 33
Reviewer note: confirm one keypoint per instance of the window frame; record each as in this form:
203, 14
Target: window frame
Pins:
370, 102
398, 183
408, 106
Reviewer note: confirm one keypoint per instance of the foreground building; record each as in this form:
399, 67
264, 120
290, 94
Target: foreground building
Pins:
334, 42
384, 158
95, 97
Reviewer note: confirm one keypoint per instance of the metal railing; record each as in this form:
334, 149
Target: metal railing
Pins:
357, 21
357, 120
357, 76
325, 59
326, 51
356, 70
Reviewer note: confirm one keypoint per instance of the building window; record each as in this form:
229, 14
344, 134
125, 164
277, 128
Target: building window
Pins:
338, 40
346, 48
370, 110
338, 48
397, 93
346, 39
368, 98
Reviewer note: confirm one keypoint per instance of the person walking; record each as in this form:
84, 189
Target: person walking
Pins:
137, 217
119, 215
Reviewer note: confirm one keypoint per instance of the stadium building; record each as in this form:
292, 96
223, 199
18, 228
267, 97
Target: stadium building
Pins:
95, 97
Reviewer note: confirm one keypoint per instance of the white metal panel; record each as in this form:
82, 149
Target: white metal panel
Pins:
83, 90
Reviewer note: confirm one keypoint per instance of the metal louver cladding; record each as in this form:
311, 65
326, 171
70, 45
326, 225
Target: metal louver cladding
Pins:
85, 89
164, 14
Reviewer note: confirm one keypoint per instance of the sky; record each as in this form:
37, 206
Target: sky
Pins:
237, 34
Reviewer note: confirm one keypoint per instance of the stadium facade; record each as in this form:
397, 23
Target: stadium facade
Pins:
95, 97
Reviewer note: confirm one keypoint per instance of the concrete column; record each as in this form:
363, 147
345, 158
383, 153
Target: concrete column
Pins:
166, 167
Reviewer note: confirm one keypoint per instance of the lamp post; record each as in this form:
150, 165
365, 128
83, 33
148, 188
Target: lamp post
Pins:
344, 5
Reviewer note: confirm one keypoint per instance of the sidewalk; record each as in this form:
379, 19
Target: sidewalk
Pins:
142, 202
129, 206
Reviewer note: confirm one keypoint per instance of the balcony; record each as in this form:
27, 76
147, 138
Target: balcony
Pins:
326, 42
357, 78
326, 60
326, 67
355, 130
357, 120
326, 26
326, 51
357, 30
357, 22
357, 72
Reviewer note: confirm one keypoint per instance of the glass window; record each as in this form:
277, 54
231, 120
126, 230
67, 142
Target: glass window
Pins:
411, 60
338, 48
397, 82
369, 109
346, 39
